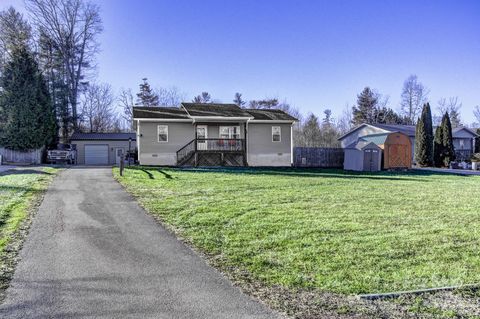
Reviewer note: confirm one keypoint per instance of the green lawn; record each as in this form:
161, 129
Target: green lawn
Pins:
19, 190
329, 230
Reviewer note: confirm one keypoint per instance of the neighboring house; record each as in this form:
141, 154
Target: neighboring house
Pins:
463, 138
210, 134
102, 148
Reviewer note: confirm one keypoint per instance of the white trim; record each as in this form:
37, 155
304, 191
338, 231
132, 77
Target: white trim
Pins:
272, 121
163, 120
158, 133
230, 133
291, 145
223, 118
280, 135
138, 137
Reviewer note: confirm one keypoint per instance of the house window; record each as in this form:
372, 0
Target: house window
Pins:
276, 134
162, 132
229, 132
462, 144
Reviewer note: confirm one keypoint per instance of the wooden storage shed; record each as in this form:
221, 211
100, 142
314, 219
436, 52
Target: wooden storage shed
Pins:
397, 149
363, 156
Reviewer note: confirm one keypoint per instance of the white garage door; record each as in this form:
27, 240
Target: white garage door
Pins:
96, 154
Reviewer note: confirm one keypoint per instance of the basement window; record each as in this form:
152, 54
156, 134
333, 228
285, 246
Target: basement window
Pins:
162, 132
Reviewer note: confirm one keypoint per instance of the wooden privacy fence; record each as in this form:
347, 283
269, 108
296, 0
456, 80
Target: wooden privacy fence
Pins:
318, 157
26, 157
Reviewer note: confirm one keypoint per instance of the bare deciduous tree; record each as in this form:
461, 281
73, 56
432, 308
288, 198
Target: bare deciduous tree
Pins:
476, 113
169, 97
127, 101
98, 113
73, 27
451, 106
344, 123
414, 96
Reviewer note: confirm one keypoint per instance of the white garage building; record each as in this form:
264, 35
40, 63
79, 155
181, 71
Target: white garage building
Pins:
102, 148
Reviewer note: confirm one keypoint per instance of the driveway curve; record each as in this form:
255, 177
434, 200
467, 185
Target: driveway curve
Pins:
92, 252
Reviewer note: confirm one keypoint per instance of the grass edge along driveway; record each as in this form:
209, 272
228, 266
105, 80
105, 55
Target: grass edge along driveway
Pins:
20, 192
323, 229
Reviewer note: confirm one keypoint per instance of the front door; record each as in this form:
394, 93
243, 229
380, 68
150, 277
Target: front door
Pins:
118, 155
201, 136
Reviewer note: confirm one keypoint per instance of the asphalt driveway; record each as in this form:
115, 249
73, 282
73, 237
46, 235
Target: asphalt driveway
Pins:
93, 252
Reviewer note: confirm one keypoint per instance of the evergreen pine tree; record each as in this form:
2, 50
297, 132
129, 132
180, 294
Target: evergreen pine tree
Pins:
424, 138
146, 96
27, 112
438, 146
366, 108
448, 149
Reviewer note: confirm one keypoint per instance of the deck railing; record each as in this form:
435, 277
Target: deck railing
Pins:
463, 155
218, 145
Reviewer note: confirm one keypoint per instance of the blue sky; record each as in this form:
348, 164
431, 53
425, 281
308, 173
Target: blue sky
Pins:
314, 54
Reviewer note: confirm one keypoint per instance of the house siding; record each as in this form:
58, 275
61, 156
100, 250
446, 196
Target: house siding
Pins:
261, 151
112, 145
153, 152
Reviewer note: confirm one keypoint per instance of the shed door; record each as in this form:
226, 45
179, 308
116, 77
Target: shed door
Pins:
96, 154
398, 156
370, 160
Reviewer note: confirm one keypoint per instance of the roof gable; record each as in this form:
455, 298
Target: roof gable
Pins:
464, 129
355, 129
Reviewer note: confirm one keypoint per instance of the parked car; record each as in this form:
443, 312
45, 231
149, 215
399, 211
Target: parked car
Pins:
63, 153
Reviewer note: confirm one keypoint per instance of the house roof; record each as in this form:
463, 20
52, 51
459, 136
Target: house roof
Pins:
159, 112
408, 130
458, 129
193, 110
270, 114
103, 136
215, 109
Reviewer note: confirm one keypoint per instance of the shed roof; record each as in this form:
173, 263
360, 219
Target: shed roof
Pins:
360, 145
378, 139
103, 136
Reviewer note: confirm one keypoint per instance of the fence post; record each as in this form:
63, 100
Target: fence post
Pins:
122, 164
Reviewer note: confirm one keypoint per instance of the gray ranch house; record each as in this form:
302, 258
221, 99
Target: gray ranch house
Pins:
210, 134
463, 137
